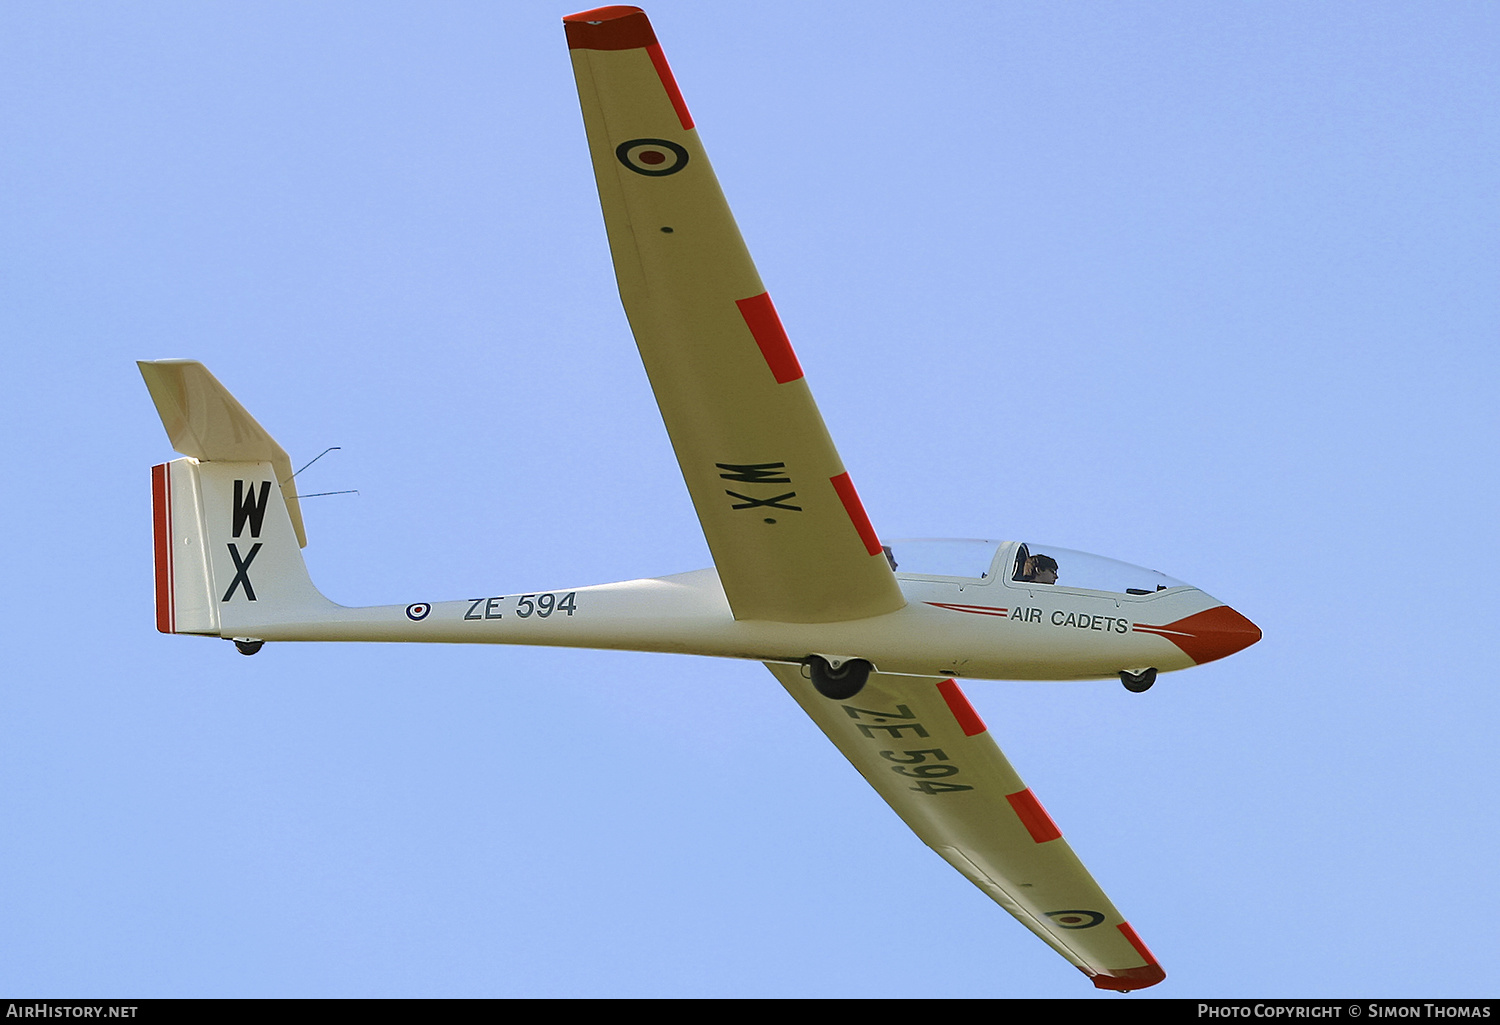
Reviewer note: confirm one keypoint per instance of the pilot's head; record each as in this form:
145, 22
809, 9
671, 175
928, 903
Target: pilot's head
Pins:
1043, 569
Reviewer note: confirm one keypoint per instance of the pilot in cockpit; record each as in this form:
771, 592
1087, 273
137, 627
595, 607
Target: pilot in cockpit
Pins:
1037, 569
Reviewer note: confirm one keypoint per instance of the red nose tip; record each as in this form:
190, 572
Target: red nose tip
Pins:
1205, 636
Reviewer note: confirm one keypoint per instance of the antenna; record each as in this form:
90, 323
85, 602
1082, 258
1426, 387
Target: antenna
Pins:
314, 459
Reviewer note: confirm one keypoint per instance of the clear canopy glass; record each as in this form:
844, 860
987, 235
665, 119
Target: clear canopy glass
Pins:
932, 557
1080, 569
1033, 565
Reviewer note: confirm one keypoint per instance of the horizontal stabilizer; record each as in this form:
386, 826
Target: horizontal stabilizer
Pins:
206, 422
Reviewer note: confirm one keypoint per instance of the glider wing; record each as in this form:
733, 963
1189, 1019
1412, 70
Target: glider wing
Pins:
921, 745
788, 533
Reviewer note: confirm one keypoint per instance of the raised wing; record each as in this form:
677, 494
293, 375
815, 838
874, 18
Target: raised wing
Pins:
921, 745
788, 533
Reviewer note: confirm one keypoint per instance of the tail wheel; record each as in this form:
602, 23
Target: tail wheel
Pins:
838, 684
1138, 683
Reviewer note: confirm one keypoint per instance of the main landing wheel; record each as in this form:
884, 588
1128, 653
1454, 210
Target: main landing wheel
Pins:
1138, 683
248, 647
839, 684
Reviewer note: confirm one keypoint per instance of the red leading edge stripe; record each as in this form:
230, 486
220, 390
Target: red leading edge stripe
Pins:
1033, 816
1135, 941
760, 317
161, 522
856, 510
669, 83
958, 704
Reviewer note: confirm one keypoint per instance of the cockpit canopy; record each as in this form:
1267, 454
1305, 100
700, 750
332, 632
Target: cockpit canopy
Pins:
1022, 565
945, 557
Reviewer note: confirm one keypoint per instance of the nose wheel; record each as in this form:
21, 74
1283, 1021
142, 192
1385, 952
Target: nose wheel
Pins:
841, 683
1138, 683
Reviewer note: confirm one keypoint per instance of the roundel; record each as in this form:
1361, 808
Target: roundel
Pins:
418, 611
1075, 919
654, 157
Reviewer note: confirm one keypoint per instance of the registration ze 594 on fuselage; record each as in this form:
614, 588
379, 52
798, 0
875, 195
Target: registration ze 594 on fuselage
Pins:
869, 637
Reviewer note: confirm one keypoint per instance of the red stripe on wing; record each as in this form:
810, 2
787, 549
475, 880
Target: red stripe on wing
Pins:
856, 510
760, 317
1135, 941
669, 83
958, 704
1033, 816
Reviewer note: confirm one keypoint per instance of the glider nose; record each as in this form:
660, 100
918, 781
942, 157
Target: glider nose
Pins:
1216, 633
1208, 635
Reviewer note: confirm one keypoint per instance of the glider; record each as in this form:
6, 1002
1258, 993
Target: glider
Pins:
869, 637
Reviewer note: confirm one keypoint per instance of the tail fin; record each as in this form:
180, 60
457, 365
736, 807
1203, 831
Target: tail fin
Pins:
227, 521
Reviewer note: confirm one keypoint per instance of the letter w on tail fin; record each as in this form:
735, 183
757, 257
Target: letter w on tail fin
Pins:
249, 507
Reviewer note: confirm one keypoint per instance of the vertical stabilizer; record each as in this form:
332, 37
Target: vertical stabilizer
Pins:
227, 525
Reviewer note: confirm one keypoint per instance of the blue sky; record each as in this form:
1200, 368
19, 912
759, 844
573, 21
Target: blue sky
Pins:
1209, 288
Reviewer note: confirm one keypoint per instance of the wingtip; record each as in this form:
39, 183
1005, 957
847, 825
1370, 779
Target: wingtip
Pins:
1123, 980
609, 28
143, 364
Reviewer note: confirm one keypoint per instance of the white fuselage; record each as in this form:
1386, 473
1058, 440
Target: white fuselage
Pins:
249, 582
994, 629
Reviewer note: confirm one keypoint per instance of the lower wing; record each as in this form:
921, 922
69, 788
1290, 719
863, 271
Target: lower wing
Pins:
924, 749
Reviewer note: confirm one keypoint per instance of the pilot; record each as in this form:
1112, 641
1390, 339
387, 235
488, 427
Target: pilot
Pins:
1039, 569
1043, 569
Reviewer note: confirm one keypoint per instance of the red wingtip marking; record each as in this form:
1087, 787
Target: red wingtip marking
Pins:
958, 704
609, 28
1126, 979
1033, 816
625, 28
760, 317
856, 510
161, 523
